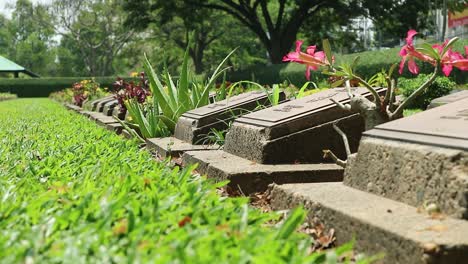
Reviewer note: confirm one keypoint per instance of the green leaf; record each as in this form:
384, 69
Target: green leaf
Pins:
301, 92
449, 45
294, 220
158, 92
392, 68
327, 50
429, 50
184, 92
212, 80
355, 61
338, 83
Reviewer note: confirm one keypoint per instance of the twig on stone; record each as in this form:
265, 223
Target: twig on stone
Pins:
329, 154
348, 88
345, 139
345, 107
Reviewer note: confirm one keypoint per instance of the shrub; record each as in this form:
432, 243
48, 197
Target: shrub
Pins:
440, 87
43, 87
87, 90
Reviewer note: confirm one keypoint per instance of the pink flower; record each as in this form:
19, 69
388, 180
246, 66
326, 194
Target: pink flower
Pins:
312, 59
408, 52
452, 59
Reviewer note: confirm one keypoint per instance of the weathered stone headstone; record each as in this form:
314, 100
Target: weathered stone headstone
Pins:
194, 125
297, 131
284, 143
73, 107
100, 104
452, 97
405, 192
419, 159
117, 112
93, 104
109, 107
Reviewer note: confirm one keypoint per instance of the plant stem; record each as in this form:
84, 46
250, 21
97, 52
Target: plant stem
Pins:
345, 139
369, 87
415, 94
329, 154
389, 91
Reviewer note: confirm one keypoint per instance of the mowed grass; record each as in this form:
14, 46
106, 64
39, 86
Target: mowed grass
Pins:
72, 192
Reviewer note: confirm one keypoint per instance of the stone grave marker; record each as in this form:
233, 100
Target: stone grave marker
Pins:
100, 104
118, 113
405, 192
93, 104
297, 131
452, 97
284, 143
422, 157
109, 107
193, 126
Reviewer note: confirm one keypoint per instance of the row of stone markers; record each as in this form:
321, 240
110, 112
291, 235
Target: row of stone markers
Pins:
402, 169
405, 192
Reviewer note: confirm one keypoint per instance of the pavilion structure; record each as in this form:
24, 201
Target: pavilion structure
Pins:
8, 66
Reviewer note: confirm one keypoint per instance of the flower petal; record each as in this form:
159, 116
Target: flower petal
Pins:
461, 64
307, 73
412, 66
402, 64
446, 69
311, 50
320, 55
298, 45
410, 35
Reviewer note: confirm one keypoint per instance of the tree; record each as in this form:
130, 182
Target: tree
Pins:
180, 25
275, 23
96, 29
25, 41
395, 18
336, 26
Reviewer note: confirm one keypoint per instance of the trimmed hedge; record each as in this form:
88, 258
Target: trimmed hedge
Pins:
42, 87
370, 63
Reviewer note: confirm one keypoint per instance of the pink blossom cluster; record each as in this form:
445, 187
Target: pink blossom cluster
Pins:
448, 60
314, 59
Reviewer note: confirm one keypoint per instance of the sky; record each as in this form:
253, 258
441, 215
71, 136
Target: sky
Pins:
5, 3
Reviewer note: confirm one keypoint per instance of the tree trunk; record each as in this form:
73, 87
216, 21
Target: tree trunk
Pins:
279, 45
198, 63
444, 20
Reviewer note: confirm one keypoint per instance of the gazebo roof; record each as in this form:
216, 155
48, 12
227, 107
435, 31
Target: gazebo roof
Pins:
7, 65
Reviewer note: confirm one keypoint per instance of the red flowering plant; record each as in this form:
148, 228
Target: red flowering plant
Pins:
380, 109
84, 90
134, 97
131, 90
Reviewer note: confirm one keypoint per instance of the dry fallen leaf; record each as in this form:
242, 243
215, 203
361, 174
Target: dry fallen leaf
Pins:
437, 228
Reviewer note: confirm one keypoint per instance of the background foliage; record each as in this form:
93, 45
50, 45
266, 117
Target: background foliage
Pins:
109, 37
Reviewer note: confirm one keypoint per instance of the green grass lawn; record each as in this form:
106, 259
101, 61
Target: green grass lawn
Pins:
72, 192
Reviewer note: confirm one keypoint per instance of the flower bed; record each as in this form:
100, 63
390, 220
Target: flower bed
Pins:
7, 96
74, 192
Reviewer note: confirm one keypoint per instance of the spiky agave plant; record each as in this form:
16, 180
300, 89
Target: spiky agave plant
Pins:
176, 98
